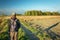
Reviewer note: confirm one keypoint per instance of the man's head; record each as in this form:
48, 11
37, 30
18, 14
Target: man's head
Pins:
13, 15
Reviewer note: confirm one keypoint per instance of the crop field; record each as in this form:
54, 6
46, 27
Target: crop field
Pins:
33, 28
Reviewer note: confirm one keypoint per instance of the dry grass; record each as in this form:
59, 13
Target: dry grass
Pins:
44, 21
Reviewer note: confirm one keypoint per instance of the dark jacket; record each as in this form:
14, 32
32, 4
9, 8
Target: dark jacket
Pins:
17, 25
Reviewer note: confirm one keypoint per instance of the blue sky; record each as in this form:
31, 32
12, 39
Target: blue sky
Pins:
20, 6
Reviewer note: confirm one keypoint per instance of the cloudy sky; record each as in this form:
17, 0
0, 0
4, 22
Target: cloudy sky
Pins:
19, 6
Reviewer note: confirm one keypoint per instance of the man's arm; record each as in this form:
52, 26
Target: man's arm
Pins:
19, 24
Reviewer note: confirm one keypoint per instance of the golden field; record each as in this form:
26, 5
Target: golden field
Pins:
51, 23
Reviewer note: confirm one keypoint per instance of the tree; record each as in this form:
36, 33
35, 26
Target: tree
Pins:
39, 13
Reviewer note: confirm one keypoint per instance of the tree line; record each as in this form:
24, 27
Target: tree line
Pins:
40, 13
34, 13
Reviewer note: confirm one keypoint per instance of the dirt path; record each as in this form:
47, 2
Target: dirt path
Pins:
29, 33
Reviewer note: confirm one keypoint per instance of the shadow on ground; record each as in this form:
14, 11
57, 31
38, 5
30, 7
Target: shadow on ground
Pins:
50, 33
53, 35
29, 33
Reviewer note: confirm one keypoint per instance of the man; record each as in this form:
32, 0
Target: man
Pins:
14, 25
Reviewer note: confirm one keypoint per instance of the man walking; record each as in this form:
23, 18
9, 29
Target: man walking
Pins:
14, 25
